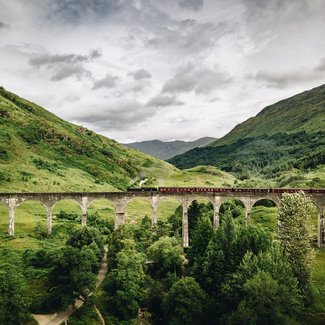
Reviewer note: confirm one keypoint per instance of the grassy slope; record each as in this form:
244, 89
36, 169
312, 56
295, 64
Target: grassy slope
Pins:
41, 152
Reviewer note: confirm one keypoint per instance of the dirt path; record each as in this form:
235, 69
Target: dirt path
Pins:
58, 318
100, 315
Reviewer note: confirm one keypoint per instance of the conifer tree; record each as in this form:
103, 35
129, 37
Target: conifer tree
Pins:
295, 236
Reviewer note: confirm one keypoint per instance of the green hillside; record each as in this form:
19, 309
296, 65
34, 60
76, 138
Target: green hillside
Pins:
41, 152
283, 143
165, 150
302, 112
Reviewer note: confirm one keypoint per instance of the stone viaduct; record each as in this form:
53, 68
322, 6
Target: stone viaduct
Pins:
121, 199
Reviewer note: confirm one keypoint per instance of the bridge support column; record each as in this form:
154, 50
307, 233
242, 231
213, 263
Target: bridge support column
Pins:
216, 219
154, 216
12, 205
321, 229
185, 233
84, 206
154, 204
119, 215
49, 221
248, 215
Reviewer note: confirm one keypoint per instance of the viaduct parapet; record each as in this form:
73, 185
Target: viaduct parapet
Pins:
121, 199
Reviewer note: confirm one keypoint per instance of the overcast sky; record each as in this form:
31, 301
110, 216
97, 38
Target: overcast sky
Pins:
160, 69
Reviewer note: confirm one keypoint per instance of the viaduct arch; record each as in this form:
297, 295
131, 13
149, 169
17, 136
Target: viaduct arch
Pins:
121, 199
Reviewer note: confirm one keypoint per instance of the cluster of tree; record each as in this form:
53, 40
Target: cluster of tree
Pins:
232, 275
48, 279
68, 271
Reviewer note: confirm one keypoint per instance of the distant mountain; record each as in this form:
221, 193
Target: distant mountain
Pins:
287, 138
165, 150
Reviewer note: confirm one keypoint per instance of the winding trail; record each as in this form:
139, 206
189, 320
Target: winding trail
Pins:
60, 317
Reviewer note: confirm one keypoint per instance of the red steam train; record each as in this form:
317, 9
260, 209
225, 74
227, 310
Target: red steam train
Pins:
224, 189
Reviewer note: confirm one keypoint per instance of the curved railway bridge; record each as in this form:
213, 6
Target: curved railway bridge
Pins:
154, 196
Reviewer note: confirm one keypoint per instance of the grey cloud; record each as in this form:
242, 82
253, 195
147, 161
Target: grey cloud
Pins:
320, 66
198, 78
3, 25
72, 98
138, 87
72, 11
214, 99
161, 101
289, 78
188, 37
108, 82
52, 59
68, 71
191, 4
64, 66
140, 74
117, 116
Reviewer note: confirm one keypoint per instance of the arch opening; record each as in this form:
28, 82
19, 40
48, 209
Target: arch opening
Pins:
137, 209
101, 214
265, 213
66, 215
170, 215
322, 228
235, 207
4, 219
197, 209
31, 219
313, 222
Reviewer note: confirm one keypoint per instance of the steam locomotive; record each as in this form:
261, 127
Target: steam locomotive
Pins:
223, 190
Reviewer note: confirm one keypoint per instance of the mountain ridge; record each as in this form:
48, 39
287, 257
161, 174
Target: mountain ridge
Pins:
168, 149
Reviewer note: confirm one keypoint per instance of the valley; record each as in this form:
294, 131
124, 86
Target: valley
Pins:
40, 152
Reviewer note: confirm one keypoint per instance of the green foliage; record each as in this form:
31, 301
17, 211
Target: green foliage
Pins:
234, 207
226, 249
202, 234
67, 272
185, 303
176, 221
14, 304
193, 214
67, 216
71, 276
263, 290
117, 243
296, 237
85, 236
87, 315
104, 226
124, 283
165, 256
